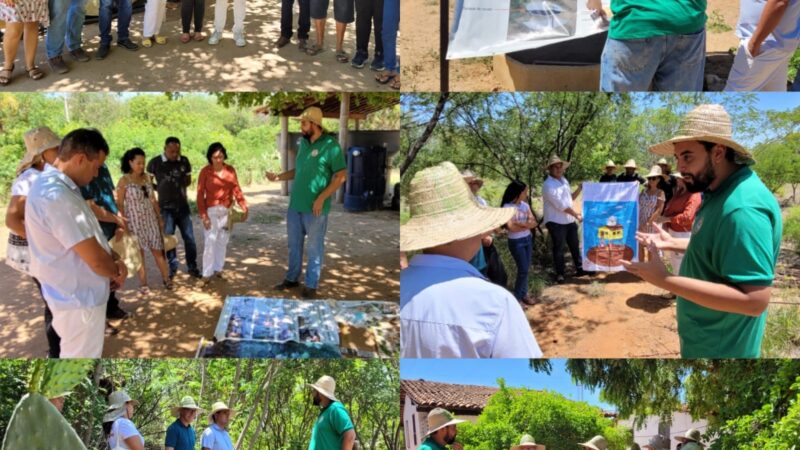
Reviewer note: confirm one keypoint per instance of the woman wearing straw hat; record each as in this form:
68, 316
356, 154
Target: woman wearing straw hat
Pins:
333, 427
528, 443
690, 440
41, 148
725, 279
122, 433
609, 176
441, 430
651, 202
596, 443
216, 436
447, 308
181, 434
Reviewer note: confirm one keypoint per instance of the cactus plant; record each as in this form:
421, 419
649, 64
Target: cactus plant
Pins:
60, 376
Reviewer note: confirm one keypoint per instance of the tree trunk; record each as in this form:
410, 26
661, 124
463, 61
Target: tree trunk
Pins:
265, 409
267, 379
235, 388
419, 143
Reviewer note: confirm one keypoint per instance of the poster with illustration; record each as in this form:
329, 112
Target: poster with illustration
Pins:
610, 220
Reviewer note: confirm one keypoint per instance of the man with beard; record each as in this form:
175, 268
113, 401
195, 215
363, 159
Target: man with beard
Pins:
441, 431
725, 279
333, 428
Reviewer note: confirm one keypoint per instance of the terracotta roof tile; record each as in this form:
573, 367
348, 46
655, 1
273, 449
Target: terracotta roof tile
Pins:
429, 394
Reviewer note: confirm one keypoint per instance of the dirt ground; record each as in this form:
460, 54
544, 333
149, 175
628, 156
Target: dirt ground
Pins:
361, 264
198, 66
421, 44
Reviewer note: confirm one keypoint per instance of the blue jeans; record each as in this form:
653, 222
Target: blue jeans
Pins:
522, 251
124, 12
66, 24
669, 63
391, 22
298, 226
183, 219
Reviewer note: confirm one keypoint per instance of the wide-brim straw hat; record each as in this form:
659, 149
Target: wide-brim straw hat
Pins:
116, 405
662, 161
186, 403
528, 443
439, 418
692, 435
630, 164
556, 160
655, 171
443, 210
596, 443
326, 386
610, 163
37, 141
217, 407
710, 123
469, 177
312, 114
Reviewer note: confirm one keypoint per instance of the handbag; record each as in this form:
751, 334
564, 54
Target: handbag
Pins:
18, 254
129, 251
170, 242
235, 215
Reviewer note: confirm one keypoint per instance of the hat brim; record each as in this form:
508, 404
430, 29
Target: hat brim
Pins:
667, 148
565, 163
683, 440
426, 232
528, 447
230, 416
589, 445
452, 422
300, 119
176, 410
323, 392
113, 407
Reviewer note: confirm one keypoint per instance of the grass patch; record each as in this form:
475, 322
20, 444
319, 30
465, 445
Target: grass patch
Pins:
782, 335
266, 218
716, 23
594, 290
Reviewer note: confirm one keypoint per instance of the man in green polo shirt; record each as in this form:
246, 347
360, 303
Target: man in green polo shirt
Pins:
726, 276
653, 43
333, 429
441, 431
320, 170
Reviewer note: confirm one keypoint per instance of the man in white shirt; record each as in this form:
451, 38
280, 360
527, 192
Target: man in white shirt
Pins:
70, 256
447, 308
216, 436
560, 218
769, 33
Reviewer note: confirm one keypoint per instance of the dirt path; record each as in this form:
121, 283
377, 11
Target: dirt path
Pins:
361, 264
198, 66
420, 19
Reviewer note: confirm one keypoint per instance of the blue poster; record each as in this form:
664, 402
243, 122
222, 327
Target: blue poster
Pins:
610, 221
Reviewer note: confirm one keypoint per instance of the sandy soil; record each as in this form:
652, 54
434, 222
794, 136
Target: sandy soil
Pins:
361, 264
197, 66
421, 48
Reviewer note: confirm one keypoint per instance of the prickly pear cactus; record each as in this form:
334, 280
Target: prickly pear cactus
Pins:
60, 376
37, 425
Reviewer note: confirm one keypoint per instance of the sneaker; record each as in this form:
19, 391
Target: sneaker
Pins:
79, 54
58, 65
102, 51
215, 38
302, 44
238, 39
377, 63
285, 284
283, 42
560, 279
308, 293
128, 44
359, 60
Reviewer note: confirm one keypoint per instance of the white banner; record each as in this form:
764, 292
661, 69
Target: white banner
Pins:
610, 221
491, 27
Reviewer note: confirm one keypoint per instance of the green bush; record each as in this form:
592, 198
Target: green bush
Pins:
791, 227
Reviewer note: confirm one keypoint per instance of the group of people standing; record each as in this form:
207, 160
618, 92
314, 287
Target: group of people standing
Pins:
65, 213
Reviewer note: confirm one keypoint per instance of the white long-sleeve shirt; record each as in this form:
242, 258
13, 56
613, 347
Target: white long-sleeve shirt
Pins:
557, 198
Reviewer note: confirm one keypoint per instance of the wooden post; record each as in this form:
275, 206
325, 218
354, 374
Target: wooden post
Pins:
284, 151
344, 115
444, 38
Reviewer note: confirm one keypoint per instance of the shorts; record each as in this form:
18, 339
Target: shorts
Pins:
343, 10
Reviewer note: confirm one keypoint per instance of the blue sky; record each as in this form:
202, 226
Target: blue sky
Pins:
485, 372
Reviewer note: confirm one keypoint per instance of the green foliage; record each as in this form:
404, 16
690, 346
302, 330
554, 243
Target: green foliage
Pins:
791, 227
37, 424
778, 163
61, 375
716, 23
552, 419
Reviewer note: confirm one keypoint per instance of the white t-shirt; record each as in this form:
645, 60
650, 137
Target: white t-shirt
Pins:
216, 438
521, 216
557, 198
786, 35
122, 428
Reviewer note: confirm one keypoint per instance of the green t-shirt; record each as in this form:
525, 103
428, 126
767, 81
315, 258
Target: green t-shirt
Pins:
736, 238
641, 19
332, 422
430, 444
314, 168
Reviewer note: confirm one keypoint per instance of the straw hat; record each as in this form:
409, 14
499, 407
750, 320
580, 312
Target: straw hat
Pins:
630, 164
217, 407
655, 171
596, 443
186, 403
116, 405
37, 141
443, 209
326, 386
312, 114
527, 443
610, 163
692, 435
469, 177
556, 160
439, 418
710, 123
662, 161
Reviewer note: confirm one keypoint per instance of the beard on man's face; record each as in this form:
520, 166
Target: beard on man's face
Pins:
450, 438
700, 182
315, 399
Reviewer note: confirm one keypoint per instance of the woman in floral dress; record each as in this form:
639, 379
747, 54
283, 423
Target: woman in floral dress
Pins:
651, 202
22, 18
138, 203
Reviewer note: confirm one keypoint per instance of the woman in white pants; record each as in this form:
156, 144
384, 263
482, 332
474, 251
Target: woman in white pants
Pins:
220, 17
217, 187
154, 12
